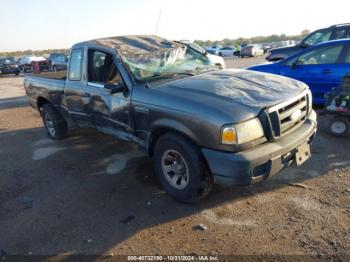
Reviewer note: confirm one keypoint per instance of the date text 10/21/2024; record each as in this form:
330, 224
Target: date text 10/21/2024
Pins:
173, 258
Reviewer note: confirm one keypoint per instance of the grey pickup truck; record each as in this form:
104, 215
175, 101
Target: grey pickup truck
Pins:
200, 124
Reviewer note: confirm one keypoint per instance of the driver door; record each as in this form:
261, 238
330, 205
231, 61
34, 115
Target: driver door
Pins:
107, 110
320, 68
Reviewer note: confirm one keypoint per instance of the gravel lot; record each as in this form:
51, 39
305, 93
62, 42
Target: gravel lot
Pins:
92, 194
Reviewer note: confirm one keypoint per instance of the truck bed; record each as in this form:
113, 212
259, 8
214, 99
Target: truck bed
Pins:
60, 75
49, 86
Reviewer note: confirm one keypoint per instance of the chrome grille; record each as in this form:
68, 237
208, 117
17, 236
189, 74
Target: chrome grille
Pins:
289, 115
285, 114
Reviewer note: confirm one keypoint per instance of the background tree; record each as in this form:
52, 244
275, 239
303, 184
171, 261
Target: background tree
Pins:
270, 39
305, 32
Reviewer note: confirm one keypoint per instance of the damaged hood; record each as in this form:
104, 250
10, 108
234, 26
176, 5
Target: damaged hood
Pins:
240, 93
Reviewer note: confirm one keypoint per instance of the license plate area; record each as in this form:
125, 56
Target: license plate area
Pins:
302, 154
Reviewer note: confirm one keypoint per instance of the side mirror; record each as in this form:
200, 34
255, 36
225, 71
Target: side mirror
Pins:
294, 65
118, 88
303, 45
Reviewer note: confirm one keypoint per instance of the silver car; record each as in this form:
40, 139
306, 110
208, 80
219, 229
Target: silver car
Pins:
252, 50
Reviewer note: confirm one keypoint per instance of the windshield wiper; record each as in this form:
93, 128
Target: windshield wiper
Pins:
168, 75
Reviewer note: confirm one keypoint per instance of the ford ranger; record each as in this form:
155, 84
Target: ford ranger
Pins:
199, 123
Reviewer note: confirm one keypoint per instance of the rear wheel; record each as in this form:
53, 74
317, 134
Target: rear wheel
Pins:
181, 168
54, 123
338, 126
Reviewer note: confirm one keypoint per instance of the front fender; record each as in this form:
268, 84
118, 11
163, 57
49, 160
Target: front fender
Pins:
170, 124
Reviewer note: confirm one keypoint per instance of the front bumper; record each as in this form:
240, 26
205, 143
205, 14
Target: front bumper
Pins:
260, 162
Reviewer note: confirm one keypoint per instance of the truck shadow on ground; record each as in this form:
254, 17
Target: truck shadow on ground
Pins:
14, 102
90, 194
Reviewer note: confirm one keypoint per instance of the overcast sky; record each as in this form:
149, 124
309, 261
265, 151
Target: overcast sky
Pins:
42, 24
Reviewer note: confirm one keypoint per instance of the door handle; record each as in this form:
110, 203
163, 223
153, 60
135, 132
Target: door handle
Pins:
326, 71
86, 95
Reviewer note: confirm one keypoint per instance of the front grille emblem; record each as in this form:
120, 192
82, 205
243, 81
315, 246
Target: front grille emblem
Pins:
296, 115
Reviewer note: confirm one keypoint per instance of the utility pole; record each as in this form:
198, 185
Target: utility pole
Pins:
158, 20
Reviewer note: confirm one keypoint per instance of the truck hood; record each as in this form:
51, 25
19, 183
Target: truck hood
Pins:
240, 93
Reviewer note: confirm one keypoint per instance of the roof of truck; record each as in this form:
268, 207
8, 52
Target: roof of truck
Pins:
133, 44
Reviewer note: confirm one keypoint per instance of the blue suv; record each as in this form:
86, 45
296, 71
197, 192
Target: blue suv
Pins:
335, 32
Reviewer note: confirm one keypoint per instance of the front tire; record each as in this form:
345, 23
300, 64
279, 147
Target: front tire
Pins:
55, 124
181, 168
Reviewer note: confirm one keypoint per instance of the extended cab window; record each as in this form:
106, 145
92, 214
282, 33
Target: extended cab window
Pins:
102, 68
75, 67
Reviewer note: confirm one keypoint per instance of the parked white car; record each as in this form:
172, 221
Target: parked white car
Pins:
227, 51
30, 59
214, 59
25, 63
287, 43
214, 50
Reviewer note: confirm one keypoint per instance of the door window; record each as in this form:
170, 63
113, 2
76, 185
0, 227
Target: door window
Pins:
75, 67
340, 33
102, 68
322, 55
318, 37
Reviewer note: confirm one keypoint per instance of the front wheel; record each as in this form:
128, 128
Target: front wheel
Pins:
181, 168
55, 124
338, 126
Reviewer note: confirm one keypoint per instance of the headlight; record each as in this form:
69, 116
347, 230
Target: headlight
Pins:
242, 133
268, 54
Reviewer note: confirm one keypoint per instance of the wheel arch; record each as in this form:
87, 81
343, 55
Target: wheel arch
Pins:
169, 126
41, 101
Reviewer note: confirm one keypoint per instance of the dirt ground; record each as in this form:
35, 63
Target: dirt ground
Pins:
92, 194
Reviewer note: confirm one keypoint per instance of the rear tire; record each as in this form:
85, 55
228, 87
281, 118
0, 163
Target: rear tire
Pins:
338, 126
181, 168
55, 124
